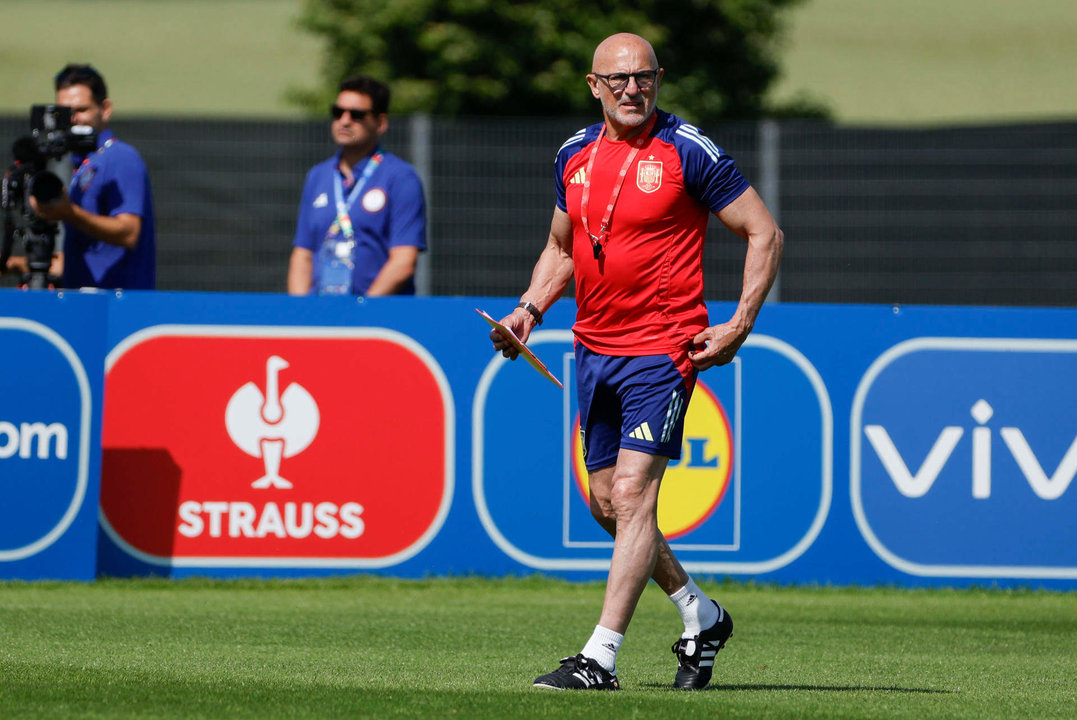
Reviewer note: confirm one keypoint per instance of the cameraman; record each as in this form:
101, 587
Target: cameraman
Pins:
107, 211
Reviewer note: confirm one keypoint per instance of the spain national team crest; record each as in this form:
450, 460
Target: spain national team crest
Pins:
649, 175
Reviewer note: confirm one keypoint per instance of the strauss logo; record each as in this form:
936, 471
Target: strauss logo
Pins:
272, 426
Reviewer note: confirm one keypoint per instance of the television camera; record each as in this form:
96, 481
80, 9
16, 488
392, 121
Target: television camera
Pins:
39, 171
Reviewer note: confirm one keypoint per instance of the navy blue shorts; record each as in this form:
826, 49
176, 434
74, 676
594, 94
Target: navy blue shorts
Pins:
631, 402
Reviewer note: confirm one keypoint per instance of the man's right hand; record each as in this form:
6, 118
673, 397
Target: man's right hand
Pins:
520, 322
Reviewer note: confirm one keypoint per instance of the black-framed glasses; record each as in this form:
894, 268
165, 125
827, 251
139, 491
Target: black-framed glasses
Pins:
619, 81
356, 115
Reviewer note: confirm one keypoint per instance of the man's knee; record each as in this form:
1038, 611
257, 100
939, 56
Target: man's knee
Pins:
602, 511
629, 497
600, 505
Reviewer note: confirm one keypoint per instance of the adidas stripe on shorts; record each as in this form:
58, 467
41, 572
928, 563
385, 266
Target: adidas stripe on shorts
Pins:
632, 402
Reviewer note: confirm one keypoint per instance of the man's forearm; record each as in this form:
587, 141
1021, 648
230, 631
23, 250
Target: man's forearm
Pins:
761, 263
394, 274
554, 268
122, 230
300, 271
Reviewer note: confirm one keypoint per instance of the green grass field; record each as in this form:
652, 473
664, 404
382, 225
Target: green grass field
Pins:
873, 61
934, 61
368, 647
161, 57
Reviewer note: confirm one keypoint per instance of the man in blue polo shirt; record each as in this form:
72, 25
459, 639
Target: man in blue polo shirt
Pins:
107, 211
362, 219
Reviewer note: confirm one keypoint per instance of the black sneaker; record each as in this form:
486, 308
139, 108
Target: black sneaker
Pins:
695, 656
578, 673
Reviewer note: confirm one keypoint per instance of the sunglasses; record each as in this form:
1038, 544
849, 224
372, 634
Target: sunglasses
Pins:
356, 115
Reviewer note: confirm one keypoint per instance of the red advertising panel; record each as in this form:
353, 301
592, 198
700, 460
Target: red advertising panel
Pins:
250, 447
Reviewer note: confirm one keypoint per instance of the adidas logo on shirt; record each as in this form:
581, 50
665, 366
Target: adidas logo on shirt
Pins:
643, 432
579, 178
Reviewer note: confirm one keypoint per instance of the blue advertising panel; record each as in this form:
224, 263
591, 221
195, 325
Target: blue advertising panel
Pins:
963, 450
50, 399
537, 511
285, 436
270, 435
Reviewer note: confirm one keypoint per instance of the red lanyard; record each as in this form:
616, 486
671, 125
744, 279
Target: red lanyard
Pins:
603, 232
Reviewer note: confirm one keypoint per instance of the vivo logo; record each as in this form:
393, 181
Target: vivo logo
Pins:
21, 440
1047, 487
986, 496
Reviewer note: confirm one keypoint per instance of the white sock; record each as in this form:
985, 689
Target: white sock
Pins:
603, 647
696, 609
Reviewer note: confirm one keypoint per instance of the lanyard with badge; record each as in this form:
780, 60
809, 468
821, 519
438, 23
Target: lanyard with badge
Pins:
338, 247
604, 229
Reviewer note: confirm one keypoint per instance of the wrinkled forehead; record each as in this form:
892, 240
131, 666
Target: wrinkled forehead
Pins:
623, 53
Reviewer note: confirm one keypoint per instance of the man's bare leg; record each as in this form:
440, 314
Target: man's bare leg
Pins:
668, 573
633, 502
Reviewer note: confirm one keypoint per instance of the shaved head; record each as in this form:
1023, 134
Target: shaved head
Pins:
626, 106
622, 48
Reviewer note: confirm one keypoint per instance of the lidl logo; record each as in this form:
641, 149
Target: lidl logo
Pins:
695, 485
245, 447
737, 453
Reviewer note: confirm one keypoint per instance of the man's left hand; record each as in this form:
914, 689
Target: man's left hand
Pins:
58, 210
717, 345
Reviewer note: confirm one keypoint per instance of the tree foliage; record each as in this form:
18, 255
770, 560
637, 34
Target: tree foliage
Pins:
505, 57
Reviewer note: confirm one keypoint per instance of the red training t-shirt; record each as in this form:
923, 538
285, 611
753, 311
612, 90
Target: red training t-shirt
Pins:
643, 295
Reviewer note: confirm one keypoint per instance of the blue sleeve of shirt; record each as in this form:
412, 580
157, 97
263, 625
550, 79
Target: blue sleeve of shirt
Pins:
304, 235
570, 148
126, 191
710, 175
559, 180
407, 210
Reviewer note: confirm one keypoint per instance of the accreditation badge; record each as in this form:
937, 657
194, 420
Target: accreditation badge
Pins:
649, 175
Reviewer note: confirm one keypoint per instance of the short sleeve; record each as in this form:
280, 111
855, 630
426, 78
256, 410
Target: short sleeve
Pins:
127, 189
710, 175
304, 237
407, 210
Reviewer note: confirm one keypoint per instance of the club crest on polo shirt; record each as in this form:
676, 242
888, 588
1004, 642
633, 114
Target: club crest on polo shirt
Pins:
86, 177
374, 200
649, 175
321, 201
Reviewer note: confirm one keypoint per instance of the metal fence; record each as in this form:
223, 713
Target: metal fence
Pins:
971, 215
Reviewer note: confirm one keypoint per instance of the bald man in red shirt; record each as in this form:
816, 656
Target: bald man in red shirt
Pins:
634, 195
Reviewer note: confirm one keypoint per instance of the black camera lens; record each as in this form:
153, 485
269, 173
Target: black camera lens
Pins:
46, 187
25, 150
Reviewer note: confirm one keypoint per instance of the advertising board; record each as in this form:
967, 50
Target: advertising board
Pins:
242, 435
